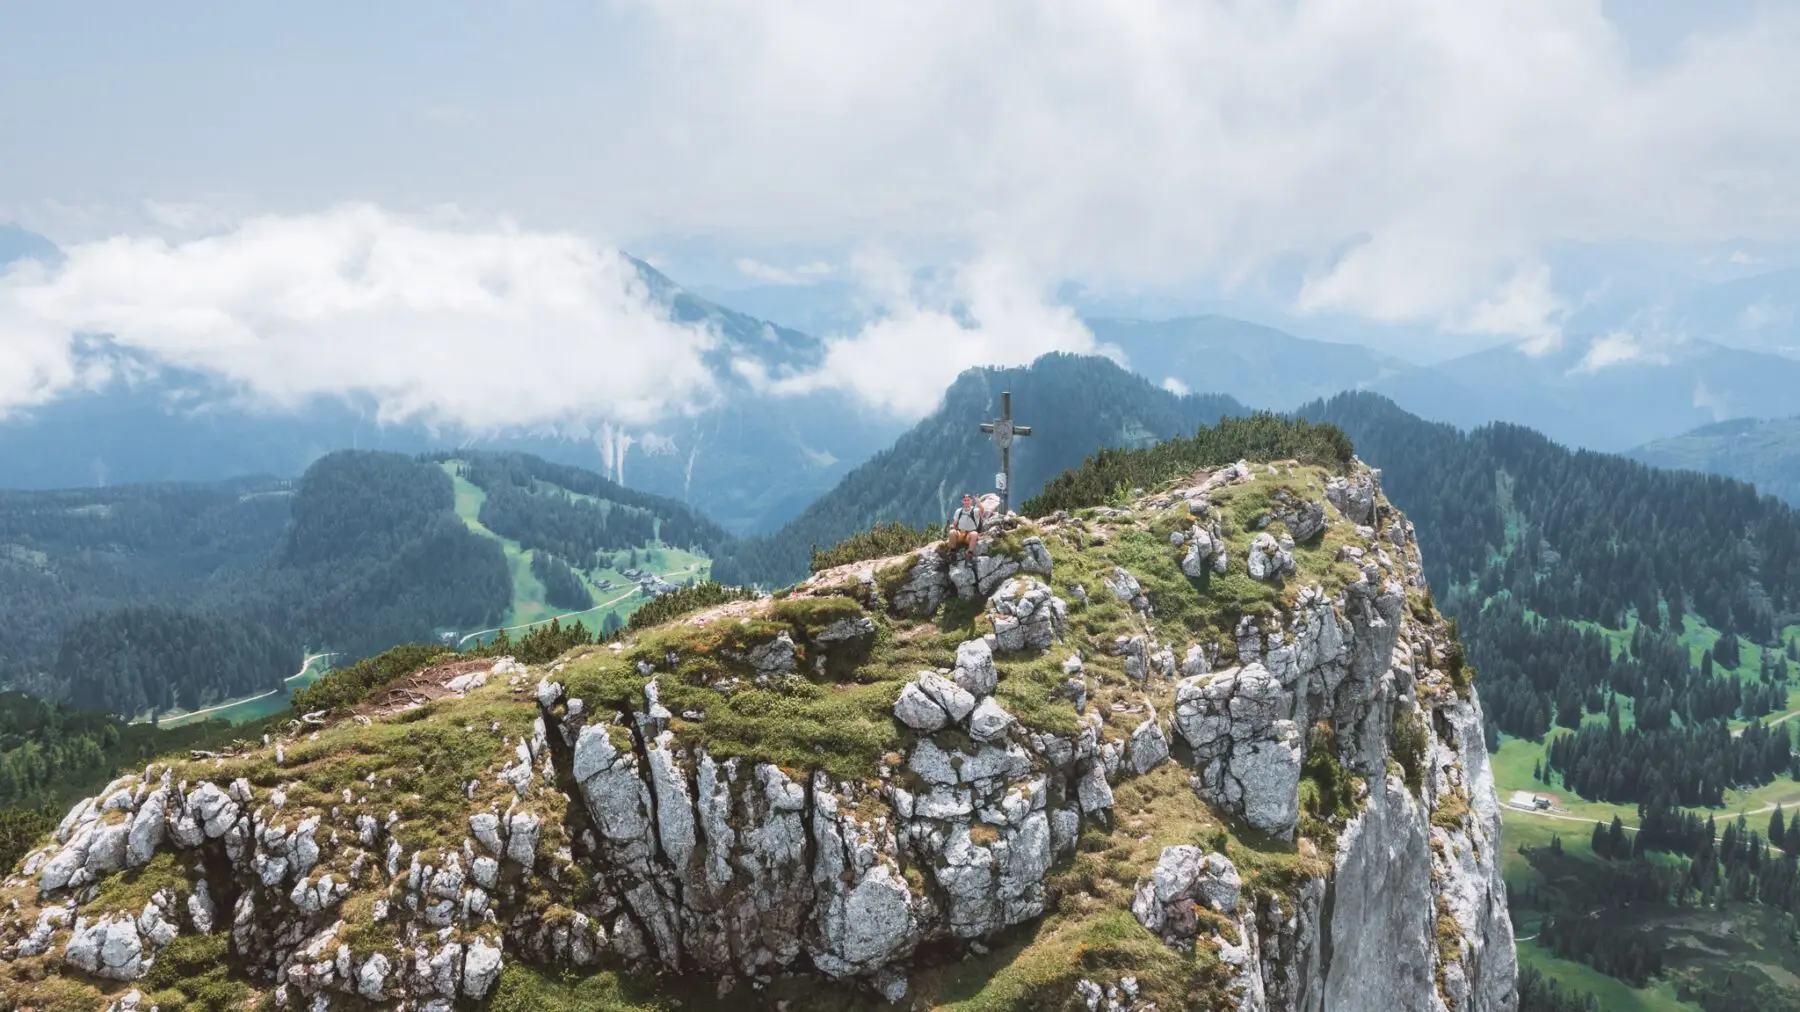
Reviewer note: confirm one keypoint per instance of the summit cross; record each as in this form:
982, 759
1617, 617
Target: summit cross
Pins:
1003, 430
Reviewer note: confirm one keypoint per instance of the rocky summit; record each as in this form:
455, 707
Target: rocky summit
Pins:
1209, 746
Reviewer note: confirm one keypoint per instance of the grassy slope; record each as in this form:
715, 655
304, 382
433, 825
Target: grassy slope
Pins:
528, 606
1089, 930
1512, 765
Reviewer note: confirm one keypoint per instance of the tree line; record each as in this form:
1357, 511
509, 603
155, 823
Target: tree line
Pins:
920, 479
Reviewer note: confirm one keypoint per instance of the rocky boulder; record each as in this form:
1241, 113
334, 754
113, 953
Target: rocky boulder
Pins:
1126, 588
1269, 559
1354, 496
1186, 879
1305, 520
1203, 549
922, 589
1247, 748
1025, 615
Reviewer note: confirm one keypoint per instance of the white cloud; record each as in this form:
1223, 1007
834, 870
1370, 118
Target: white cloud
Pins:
1705, 399
1617, 347
985, 314
477, 325
1175, 386
1160, 141
1414, 158
765, 272
1741, 257
813, 268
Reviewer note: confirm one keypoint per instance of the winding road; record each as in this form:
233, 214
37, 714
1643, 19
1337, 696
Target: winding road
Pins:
184, 717
547, 621
1523, 810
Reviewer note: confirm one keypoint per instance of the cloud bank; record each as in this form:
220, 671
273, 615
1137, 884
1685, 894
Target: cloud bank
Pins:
438, 322
1413, 156
1397, 160
984, 314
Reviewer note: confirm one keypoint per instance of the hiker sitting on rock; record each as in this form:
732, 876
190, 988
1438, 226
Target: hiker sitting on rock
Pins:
964, 525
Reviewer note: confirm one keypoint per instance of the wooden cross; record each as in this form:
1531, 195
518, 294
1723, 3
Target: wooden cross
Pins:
1003, 431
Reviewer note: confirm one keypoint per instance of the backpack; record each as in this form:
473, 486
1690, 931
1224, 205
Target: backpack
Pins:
964, 513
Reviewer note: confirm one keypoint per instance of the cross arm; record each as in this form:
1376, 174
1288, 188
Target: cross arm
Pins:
1021, 430
987, 426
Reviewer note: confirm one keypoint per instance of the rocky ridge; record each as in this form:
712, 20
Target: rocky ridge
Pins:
1183, 713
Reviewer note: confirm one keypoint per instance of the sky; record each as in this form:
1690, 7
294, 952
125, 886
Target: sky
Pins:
379, 198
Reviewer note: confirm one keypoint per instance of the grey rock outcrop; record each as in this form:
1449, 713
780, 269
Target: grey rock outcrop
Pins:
975, 671
1354, 496
1306, 520
1203, 548
924, 586
1186, 878
1247, 749
1026, 615
1268, 559
1126, 588
674, 860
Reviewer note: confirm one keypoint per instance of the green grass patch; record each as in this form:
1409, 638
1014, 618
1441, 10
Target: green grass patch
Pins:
686, 601
193, 973
362, 680
129, 890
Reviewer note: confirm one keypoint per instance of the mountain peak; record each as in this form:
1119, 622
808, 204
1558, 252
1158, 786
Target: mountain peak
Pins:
857, 784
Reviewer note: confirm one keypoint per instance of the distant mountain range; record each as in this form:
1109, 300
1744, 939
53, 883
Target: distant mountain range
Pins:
1603, 391
178, 425
1763, 452
1261, 367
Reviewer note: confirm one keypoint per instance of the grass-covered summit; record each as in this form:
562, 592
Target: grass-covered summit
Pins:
1132, 745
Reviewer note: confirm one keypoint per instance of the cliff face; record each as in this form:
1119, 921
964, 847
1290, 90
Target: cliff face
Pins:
1210, 749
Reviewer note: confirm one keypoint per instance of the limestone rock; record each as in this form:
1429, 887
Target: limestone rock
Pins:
1354, 496
522, 839
108, 948
918, 711
1026, 616
956, 701
147, 826
1306, 520
991, 570
975, 671
1248, 750
922, 590
1205, 549
481, 967
776, 657
1268, 560
201, 912
371, 977
1149, 747
989, 722
1126, 588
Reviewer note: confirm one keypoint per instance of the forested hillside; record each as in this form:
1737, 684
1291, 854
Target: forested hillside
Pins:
70, 555
1076, 405
1630, 628
577, 514
156, 597
151, 598
1762, 451
1557, 542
